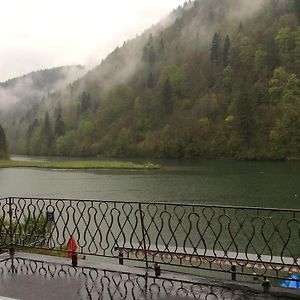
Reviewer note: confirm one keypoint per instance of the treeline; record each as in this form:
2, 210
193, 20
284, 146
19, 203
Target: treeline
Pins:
3, 145
210, 85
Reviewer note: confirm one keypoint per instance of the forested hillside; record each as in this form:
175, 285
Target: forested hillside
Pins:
215, 79
18, 93
27, 93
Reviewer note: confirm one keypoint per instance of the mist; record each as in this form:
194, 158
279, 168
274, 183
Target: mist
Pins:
114, 71
128, 51
37, 35
31, 88
207, 22
115, 31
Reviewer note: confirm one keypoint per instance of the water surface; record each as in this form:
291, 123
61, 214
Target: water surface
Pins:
266, 184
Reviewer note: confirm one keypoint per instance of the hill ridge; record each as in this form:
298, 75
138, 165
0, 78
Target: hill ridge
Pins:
222, 80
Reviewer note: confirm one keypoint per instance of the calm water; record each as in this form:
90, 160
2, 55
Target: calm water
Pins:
266, 184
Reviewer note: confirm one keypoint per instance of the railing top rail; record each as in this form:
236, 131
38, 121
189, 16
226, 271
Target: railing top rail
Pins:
166, 203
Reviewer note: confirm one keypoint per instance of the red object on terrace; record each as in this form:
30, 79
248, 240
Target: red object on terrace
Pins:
72, 246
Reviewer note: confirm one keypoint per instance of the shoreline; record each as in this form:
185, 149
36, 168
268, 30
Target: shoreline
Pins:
79, 165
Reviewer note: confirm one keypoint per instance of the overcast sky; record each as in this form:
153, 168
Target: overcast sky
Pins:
39, 34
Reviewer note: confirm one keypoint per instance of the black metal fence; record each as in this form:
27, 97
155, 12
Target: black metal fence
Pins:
91, 283
238, 240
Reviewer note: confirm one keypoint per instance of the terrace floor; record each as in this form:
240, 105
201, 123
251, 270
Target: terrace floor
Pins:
32, 277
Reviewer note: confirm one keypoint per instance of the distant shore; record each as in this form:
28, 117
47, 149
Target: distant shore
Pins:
81, 165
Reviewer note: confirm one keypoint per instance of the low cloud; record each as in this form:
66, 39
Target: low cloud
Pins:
49, 33
30, 89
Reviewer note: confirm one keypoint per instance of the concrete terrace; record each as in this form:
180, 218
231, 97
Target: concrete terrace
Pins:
33, 277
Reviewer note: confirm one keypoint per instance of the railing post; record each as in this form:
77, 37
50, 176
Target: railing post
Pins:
121, 258
11, 233
157, 270
146, 285
144, 234
74, 259
266, 285
233, 273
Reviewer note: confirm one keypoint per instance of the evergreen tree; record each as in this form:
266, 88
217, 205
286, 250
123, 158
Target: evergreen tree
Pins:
3, 144
149, 54
244, 115
85, 102
161, 46
215, 49
58, 110
227, 80
59, 126
150, 81
240, 28
167, 96
226, 52
46, 135
30, 132
297, 8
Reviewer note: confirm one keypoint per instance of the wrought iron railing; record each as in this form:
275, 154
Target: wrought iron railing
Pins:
238, 240
92, 283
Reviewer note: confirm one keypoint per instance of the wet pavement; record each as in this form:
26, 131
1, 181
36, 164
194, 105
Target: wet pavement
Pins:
35, 277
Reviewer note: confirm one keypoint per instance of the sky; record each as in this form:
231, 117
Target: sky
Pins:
40, 34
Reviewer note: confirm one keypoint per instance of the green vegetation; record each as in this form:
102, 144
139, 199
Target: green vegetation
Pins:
219, 81
78, 165
31, 235
33, 229
3, 145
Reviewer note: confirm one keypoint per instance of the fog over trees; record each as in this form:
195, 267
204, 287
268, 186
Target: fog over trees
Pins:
214, 79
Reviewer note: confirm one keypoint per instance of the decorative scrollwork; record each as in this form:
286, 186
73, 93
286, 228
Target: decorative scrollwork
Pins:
92, 283
252, 240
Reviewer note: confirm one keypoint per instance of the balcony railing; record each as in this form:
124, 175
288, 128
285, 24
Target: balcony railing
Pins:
238, 240
93, 283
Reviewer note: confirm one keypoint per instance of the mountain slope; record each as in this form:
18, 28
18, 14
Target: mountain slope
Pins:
218, 79
19, 96
30, 88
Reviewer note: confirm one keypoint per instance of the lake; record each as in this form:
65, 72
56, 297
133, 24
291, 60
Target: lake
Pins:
264, 184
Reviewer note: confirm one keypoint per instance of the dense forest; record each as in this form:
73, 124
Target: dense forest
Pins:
214, 79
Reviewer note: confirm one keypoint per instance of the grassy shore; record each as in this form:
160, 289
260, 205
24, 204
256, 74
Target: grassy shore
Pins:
78, 165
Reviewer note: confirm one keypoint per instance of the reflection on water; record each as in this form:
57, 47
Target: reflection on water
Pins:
266, 184
32, 278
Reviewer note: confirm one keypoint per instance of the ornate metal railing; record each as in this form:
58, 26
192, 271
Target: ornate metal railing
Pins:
91, 283
239, 240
